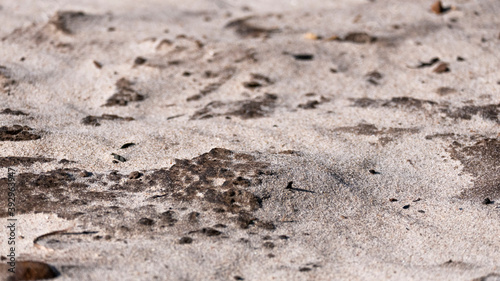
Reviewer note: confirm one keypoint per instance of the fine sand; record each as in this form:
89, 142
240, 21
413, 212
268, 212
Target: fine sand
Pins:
251, 140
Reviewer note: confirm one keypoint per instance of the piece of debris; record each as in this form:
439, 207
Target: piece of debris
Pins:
289, 187
373, 172
427, 64
97, 64
312, 36
139, 61
406, 206
393, 200
303, 56
118, 157
438, 8
442, 68
127, 145
251, 84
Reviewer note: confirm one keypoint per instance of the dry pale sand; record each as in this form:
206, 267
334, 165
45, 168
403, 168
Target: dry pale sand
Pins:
266, 140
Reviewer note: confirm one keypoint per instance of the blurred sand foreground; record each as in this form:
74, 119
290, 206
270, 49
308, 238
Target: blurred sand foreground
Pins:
261, 140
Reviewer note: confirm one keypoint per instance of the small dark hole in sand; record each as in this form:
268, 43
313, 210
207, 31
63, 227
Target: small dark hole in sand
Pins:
185, 240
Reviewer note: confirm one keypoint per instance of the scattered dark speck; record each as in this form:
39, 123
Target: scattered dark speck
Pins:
284, 237
251, 84
303, 56
421, 211
304, 269
488, 201
98, 64
289, 185
127, 145
238, 278
406, 206
373, 172
428, 64
139, 60
185, 240
393, 200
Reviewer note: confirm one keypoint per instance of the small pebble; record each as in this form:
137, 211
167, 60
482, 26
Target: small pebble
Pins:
134, 175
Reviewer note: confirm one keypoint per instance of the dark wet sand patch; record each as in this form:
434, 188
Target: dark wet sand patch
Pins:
482, 160
487, 112
8, 111
24, 161
17, 133
125, 93
260, 106
95, 120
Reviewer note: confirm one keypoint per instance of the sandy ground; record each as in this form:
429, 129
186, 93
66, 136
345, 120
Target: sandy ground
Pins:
262, 140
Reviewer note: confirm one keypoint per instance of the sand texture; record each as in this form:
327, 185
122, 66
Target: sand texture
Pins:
251, 140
